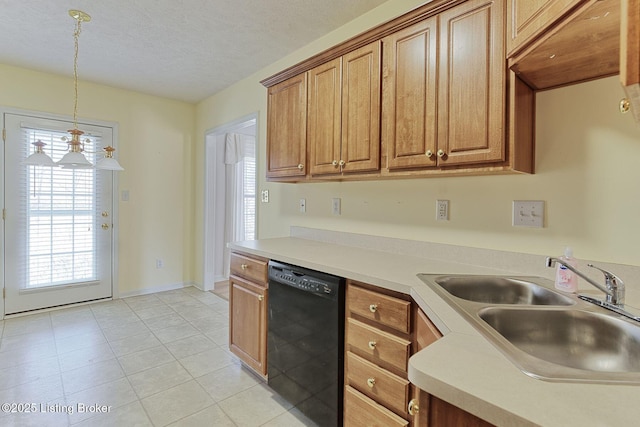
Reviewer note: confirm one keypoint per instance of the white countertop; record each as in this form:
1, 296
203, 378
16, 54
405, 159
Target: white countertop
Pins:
462, 368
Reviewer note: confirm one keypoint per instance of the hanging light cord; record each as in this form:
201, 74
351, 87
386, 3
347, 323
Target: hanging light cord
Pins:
76, 36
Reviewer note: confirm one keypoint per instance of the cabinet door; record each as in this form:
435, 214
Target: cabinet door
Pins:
409, 96
529, 18
324, 117
630, 53
248, 323
287, 128
361, 109
472, 84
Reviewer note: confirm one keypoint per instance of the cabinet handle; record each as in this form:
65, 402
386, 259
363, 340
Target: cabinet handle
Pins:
342, 163
244, 266
300, 166
440, 153
373, 308
335, 163
625, 104
371, 382
260, 298
372, 345
429, 153
105, 226
413, 407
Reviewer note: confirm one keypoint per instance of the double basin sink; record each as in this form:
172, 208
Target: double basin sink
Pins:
547, 334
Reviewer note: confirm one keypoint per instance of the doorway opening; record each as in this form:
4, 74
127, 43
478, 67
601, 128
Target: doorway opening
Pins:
230, 212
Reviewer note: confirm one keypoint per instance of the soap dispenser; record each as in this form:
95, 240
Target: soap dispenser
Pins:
567, 280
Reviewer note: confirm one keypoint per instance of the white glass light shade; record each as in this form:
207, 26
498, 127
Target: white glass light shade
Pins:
74, 160
109, 163
39, 159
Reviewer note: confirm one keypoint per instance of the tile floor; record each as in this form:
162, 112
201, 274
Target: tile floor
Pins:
150, 360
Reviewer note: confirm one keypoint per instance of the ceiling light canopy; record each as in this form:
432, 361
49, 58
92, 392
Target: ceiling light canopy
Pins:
74, 159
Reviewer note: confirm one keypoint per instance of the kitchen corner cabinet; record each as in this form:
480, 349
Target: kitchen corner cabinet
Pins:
630, 53
529, 18
344, 113
248, 310
287, 128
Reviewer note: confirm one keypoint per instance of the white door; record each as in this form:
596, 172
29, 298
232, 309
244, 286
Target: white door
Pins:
58, 223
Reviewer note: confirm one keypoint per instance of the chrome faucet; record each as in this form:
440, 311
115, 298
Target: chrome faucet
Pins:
613, 285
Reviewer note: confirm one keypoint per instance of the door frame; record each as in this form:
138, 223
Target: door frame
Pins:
115, 210
210, 219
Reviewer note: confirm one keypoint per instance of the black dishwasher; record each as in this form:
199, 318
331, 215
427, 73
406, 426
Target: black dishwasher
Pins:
305, 352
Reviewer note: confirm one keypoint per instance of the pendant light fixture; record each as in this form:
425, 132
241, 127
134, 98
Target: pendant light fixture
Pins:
74, 159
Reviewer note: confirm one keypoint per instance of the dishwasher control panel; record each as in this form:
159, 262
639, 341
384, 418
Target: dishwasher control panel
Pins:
304, 279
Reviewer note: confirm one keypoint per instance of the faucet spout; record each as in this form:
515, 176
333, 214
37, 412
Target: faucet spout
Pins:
613, 288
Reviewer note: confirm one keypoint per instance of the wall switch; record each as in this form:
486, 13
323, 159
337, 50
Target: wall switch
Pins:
336, 206
264, 196
528, 213
159, 263
302, 206
442, 210
124, 195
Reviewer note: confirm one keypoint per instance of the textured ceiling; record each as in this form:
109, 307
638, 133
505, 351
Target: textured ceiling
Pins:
180, 49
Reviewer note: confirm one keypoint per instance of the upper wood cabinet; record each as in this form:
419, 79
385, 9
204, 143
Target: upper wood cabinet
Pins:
287, 128
409, 96
344, 113
528, 18
630, 53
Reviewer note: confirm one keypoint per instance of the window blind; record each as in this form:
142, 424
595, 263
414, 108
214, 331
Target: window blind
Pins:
58, 214
249, 190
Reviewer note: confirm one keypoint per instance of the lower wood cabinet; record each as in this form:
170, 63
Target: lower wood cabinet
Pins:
248, 311
383, 329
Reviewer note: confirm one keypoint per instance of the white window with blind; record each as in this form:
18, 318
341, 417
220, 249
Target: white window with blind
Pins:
59, 221
248, 208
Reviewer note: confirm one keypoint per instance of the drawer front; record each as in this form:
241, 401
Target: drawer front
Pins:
377, 346
389, 311
254, 269
359, 410
379, 384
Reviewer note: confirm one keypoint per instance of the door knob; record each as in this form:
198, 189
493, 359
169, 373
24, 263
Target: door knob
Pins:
105, 214
105, 226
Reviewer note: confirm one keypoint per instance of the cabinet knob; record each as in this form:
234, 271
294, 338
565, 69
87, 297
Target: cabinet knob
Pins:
372, 345
625, 105
371, 382
260, 298
413, 407
441, 153
244, 266
105, 226
429, 153
300, 166
335, 163
373, 308
342, 163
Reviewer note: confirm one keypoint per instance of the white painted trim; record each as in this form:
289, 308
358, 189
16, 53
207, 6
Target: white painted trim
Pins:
209, 275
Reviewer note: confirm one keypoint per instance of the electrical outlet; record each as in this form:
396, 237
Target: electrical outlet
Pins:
302, 206
336, 206
442, 210
528, 213
264, 196
159, 263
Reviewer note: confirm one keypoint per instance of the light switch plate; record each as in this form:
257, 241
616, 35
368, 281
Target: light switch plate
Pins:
528, 213
302, 206
336, 208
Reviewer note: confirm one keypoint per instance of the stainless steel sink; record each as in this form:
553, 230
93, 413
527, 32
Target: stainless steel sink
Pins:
577, 339
501, 290
546, 334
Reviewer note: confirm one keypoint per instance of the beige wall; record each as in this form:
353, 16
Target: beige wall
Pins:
587, 174
155, 148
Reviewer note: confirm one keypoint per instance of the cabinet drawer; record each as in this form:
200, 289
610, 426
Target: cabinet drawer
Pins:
377, 383
384, 309
359, 410
377, 346
254, 269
